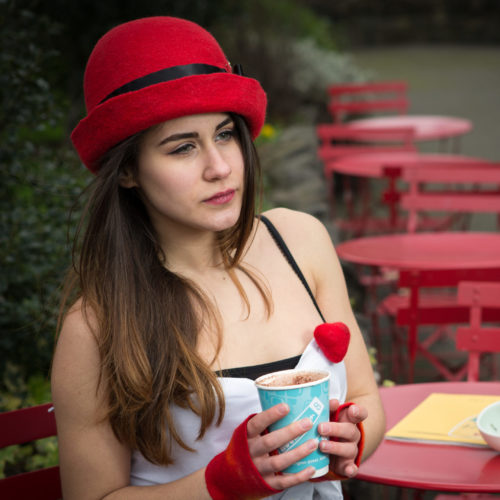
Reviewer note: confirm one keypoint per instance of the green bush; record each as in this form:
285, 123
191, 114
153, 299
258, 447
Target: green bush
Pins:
21, 393
292, 51
38, 187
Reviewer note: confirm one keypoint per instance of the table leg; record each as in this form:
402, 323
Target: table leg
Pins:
412, 332
391, 195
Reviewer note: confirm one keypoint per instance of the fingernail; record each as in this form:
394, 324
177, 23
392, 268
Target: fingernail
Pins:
283, 408
312, 444
322, 429
311, 470
355, 410
350, 471
305, 424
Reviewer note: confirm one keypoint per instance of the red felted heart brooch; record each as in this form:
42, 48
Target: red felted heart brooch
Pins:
333, 339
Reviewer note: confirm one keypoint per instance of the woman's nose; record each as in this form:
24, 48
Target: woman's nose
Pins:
217, 165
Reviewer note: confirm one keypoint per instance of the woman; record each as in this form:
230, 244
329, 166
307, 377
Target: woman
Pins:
183, 296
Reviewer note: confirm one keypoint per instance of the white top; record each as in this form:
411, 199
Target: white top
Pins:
242, 399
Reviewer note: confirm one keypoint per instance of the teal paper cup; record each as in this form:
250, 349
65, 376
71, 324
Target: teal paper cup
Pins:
306, 392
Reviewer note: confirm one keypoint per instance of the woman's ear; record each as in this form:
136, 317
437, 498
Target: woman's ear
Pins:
127, 179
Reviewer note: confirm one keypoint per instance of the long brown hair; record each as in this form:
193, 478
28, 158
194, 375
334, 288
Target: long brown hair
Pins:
148, 318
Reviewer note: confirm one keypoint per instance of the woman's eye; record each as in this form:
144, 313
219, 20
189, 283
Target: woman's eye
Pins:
226, 135
183, 149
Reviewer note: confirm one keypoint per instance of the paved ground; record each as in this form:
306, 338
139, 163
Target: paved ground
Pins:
448, 80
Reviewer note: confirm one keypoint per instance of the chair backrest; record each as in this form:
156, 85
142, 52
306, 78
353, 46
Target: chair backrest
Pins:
463, 188
476, 338
22, 426
336, 141
438, 309
363, 98
452, 312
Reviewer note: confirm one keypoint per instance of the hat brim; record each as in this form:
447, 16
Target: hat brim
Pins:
120, 117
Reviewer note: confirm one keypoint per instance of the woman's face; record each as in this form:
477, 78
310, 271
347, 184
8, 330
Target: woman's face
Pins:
190, 174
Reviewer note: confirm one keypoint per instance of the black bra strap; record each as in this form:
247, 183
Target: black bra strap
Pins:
289, 257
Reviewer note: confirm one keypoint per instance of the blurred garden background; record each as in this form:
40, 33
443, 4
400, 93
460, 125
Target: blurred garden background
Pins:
447, 50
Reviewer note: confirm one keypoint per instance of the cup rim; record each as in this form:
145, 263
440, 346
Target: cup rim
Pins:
295, 386
480, 417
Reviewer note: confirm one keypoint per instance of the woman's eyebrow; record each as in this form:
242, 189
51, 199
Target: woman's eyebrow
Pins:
191, 135
227, 121
178, 137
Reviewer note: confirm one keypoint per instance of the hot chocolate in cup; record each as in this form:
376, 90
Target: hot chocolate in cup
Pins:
290, 378
306, 392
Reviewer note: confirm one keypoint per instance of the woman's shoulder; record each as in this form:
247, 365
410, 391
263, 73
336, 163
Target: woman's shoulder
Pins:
79, 321
77, 394
76, 345
76, 364
306, 237
296, 227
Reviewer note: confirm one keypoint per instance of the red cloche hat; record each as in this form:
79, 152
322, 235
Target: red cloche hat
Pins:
150, 70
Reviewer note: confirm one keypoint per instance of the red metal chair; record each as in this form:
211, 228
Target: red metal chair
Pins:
19, 427
432, 301
364, 98
464, 189
336, 141
455, 200
478, 338
357, 104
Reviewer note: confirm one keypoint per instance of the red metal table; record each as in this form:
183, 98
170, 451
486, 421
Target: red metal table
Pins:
431, 466
373, 164
445, 250
426, 127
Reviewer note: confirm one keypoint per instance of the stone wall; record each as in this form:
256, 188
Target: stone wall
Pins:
293, 172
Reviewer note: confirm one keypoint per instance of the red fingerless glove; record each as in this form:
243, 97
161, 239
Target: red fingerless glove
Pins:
232, 475
330, 475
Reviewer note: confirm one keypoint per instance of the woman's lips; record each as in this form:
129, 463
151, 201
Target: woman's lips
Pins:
221, 198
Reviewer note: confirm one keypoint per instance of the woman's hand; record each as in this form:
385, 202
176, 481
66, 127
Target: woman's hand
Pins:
344, 437
262, 445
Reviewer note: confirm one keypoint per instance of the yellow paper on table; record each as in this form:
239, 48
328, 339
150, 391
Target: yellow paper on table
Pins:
444, 418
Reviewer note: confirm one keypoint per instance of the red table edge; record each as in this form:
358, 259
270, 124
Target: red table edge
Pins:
347, 256
445, 487
464, 126
442, 487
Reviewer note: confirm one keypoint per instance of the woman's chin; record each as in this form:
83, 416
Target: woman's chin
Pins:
223, 221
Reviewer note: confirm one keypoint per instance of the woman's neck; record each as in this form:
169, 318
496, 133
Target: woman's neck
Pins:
192, 252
